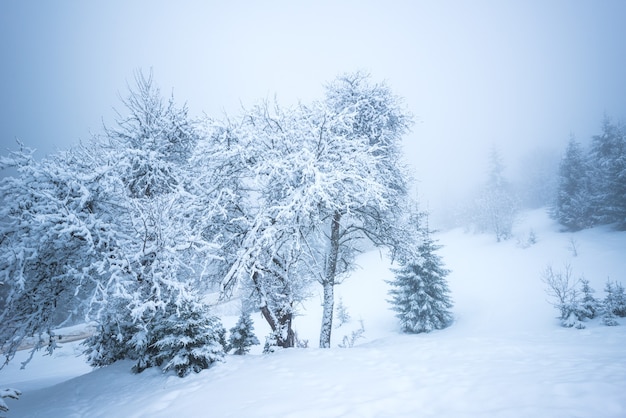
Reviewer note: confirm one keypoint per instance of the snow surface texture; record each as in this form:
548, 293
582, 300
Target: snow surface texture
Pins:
505, 356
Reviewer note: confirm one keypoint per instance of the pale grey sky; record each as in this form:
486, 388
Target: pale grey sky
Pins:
518, 74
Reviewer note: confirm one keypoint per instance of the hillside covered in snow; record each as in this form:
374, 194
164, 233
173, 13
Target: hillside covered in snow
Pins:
505, 355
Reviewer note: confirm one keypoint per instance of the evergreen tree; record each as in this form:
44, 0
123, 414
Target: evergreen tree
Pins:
572, 206
419, 292
182, 337
608, 161
615, 299
496, 206
341, 313
614, 303
188, 339
242, 335
620, 300
589, 306
608, 304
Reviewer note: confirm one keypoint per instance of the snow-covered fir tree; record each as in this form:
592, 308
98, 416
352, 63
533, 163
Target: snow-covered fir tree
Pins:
242, 335
496, 206
610, 304
572, 207
608, 175
343, 317
592, 187
181, 337
419, 293
615, 299
187, 339
588, 306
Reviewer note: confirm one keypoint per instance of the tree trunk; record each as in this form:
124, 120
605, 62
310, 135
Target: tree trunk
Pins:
281, 324
329, 282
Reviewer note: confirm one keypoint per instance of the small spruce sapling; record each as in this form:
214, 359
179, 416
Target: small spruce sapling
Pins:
242, 335
609, 305
588, 306
614, 303
620, 301
341, 313
271, 343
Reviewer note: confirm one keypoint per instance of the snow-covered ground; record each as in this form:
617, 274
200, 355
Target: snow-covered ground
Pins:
505, 355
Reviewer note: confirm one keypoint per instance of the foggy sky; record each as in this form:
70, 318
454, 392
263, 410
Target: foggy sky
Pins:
515, 74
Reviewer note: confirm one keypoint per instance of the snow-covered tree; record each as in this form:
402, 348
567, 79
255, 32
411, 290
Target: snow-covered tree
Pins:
187, 338
608, 174
159, 218
314, 181
341, 313
264, 235
589, 306
495, 208
419, 293
572, 206
537, 183
111, 231
242, 334
359, 141
615, 299
612, 303
51, 247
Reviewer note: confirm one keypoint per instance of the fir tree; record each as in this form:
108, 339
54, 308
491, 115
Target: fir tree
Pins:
242, 335
495, 208
341, 312
608, 161
614, 303
188, 339
182, 337
572, 207
615, 299
420, 293
589, 306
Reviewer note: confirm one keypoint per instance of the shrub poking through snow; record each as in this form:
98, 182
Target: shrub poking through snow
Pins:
561, 287
242, 335
349, 341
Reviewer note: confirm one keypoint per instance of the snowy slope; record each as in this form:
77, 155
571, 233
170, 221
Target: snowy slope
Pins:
505, 356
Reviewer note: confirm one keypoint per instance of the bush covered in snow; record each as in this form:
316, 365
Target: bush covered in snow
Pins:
578, 305
181, 338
